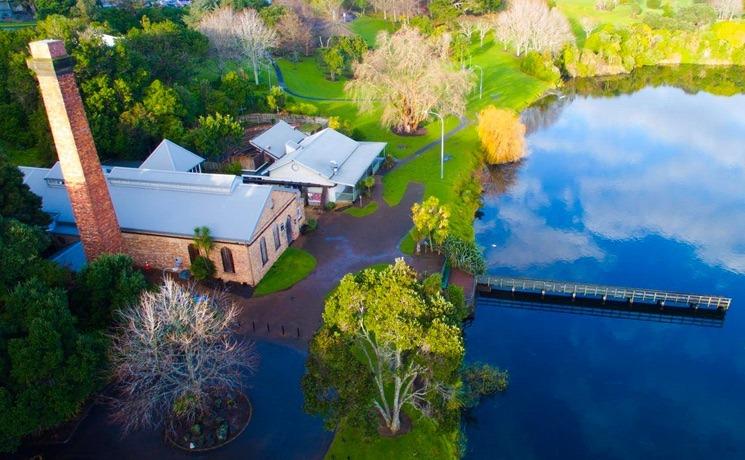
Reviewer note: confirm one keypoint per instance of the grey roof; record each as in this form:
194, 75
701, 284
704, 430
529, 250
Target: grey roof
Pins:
169, 156
334, 156
167, 202
274, 140
71, 257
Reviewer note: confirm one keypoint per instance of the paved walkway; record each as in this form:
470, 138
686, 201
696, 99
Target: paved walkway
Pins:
342, 244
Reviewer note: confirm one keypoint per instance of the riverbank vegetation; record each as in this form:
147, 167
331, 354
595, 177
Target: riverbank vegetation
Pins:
387, 360
502, 135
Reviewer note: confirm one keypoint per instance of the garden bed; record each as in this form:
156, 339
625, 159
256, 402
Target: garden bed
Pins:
230, 415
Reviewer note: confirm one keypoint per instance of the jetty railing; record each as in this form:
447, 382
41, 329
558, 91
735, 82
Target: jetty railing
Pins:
603, 293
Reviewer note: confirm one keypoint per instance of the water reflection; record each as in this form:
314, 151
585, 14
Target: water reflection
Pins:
644, 189
625, 169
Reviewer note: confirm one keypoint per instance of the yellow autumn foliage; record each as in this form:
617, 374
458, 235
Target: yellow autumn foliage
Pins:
502, 135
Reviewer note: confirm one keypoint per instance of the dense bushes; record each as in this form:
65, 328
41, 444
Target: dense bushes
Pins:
464, 254
613, 50
155, 82
202, 268
104, 286
540, 66
481, 380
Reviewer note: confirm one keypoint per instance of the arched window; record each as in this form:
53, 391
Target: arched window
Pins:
193, 253
227, 260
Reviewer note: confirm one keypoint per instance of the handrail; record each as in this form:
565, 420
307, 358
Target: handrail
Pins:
612, 292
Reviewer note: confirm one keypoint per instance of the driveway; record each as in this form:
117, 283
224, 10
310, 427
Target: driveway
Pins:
342, 244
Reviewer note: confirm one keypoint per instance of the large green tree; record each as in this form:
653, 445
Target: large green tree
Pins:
16, 200
388, 342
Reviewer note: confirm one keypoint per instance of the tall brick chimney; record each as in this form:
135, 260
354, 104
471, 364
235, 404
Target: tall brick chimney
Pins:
81, 168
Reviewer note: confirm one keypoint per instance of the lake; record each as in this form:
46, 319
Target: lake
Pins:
643, 190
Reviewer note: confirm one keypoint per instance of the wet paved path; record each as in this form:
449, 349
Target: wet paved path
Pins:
342, 244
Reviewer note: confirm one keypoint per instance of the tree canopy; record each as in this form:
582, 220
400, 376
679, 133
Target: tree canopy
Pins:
409, 76
388, 342
502, 135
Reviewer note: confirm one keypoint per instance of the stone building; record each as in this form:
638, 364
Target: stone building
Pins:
151, 212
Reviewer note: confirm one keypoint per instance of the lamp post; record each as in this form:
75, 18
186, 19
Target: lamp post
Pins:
442, 140
481, 79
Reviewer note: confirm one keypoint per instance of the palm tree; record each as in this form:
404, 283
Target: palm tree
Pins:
203, 240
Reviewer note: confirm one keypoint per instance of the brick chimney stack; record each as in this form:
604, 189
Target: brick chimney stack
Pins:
81, 168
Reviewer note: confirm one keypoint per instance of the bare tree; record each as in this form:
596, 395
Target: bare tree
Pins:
530, 25
467, 26
484, 24
295, 36
409, 77
588, 25
175, 346
235, 35
727, 9
331, 9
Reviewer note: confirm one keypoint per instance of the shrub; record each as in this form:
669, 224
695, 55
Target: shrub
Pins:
108, 284
456, 296
234, 168
464, 254
202, 268
502, 135
330, 206
302, 108
654, 4
482, 380
309, 226
540, 66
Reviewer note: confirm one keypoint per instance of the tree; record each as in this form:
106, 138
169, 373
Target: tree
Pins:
333, 60
295, 35
235, 35
502, 135
530, 25
158, 116
727, 9
175, 346
409, 77
105, 286
48, 367
407, 339
331, 9
20, 248
214, 134
202, 267
431, 221
588, 25
17, 201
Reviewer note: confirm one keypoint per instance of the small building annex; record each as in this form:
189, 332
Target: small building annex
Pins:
327, 165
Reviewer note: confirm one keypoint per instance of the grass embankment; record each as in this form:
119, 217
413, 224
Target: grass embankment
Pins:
368, 28
424, 441
363, 211
291, 267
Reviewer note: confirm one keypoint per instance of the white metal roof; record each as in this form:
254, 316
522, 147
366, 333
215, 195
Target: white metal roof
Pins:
334, 156
169, 156
275, 139
167, 202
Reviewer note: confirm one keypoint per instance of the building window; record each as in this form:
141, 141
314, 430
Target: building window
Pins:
193, 253
264, 255
227, 260
277, 241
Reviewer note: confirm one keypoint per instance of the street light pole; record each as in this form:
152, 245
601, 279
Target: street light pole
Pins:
442, 141
481, 80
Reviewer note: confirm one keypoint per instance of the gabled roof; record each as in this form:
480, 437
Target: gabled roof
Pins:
274, 140
169, 156
333, 156
167, 202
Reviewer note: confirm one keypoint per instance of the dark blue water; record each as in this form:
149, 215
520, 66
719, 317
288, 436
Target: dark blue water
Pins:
643, 190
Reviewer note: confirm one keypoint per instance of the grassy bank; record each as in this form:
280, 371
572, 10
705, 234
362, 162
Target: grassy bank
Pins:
425, 441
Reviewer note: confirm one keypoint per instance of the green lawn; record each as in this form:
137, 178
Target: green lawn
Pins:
368, 28
305, 77
366, 210
291, 267
424, 441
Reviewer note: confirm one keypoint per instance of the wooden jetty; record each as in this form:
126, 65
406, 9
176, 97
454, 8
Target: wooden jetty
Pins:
595, 299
